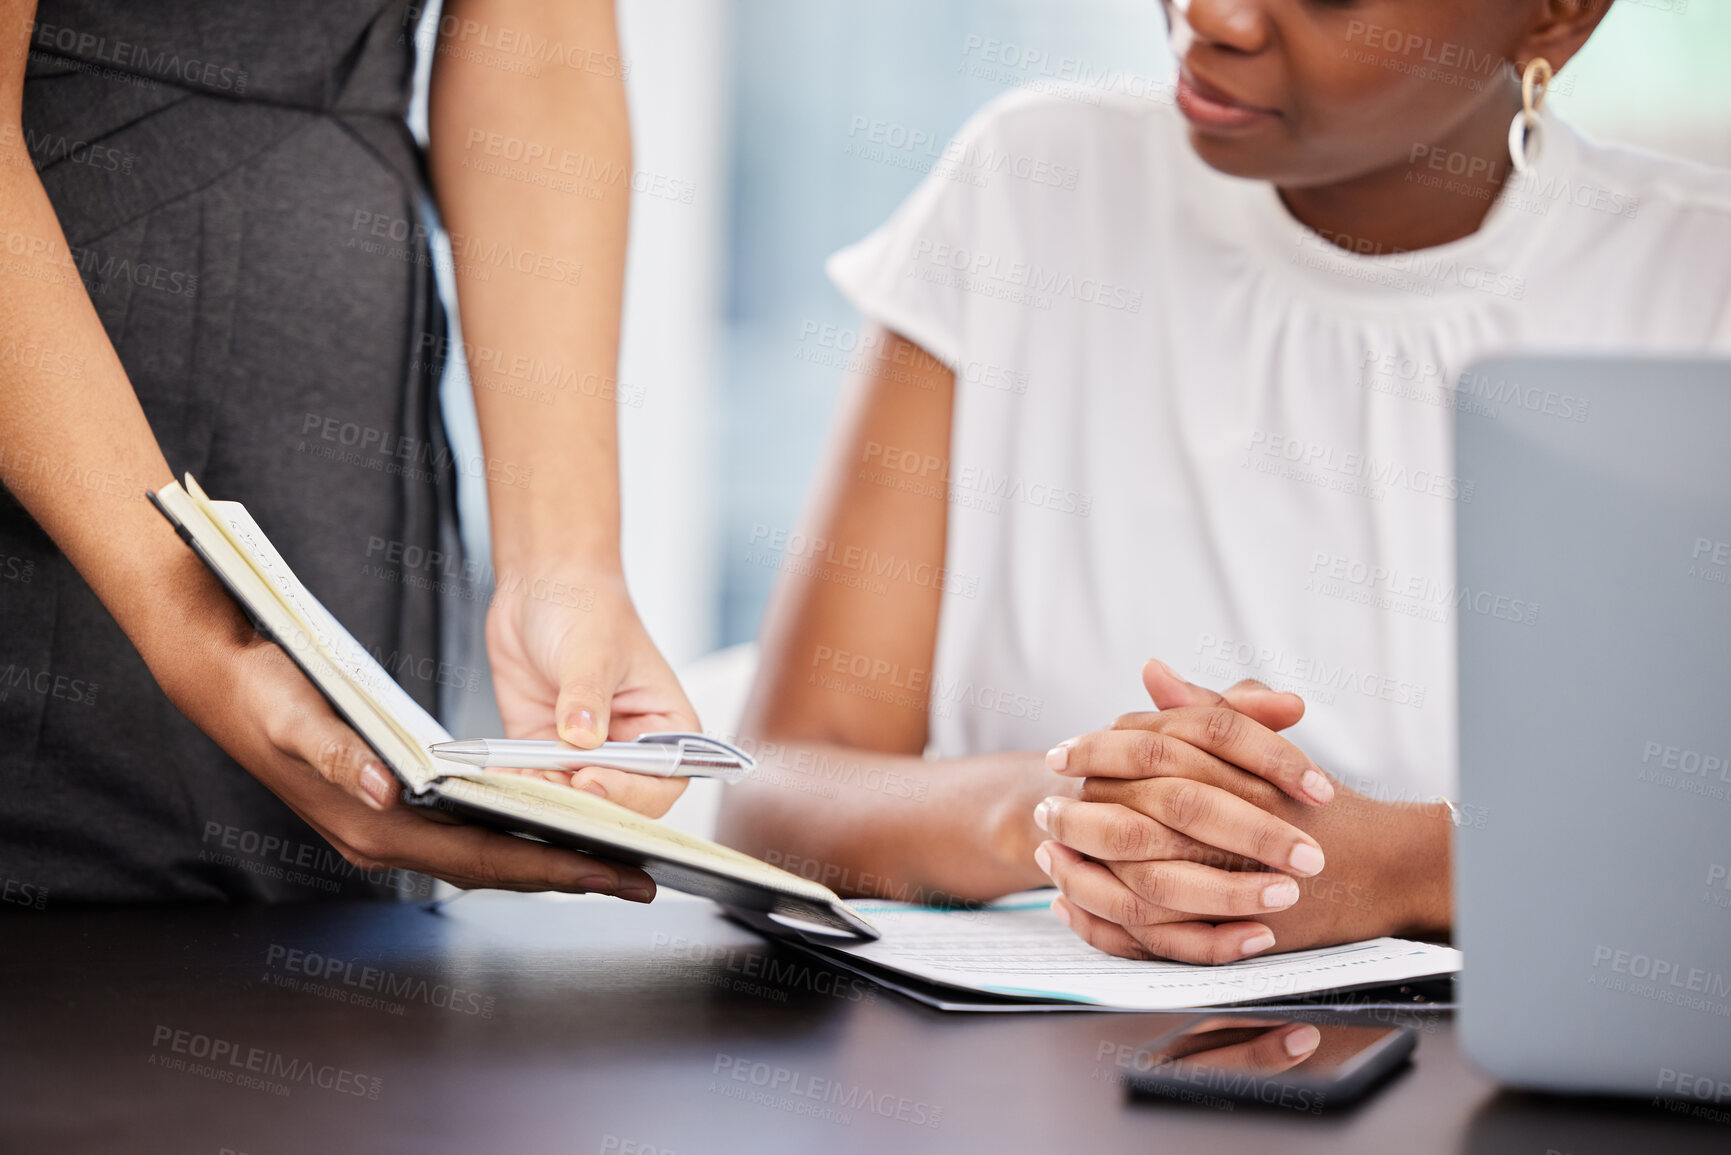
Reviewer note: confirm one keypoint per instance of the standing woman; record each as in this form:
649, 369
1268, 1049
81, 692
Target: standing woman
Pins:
214, 259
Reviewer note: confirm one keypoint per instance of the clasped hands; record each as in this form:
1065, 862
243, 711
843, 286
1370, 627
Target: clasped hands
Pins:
1197, 833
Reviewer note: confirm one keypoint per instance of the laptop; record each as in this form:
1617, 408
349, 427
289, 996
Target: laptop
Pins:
1593, 871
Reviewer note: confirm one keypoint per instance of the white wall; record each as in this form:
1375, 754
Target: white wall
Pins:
678, 84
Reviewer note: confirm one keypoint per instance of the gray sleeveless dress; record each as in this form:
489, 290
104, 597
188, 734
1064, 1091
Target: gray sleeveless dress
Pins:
244, 204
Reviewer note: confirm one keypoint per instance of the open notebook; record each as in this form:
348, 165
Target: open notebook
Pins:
1016, 955
225, 536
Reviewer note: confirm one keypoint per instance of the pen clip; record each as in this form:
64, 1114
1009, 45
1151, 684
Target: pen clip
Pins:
700, 750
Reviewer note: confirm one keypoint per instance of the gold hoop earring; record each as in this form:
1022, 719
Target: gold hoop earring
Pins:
1526, 131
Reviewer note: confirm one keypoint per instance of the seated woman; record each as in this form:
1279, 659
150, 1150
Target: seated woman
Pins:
1182, 383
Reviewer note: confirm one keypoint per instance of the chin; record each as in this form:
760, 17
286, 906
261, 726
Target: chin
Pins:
1234, 157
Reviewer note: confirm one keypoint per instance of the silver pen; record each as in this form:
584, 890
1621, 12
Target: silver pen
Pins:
669, 754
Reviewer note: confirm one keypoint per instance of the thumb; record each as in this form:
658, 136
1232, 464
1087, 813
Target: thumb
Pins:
328, 745
584, 709
1274, 709
1170, 691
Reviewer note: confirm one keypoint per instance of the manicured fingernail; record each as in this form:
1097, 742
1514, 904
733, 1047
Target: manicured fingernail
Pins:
1306, 859
1257, 942
1280, 895
636, 893
1043, 859
1170, 672
1317, 786
1043, 813
1058, 756
580, 723
381, 790
1302, 1041
600, 791
1062, 910
596, 883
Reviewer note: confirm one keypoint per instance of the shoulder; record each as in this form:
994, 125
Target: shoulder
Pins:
1635, 181
1636, 241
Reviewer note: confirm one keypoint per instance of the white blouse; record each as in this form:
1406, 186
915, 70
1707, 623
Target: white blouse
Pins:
1187, 427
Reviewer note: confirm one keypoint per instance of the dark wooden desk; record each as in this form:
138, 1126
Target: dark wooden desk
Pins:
518, 1025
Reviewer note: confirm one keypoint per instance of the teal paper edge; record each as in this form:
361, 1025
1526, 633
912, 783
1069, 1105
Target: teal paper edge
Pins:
1033, 993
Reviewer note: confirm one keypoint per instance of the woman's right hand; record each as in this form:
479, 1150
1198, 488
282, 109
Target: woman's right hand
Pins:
247, 694
1167, 853
1176, 847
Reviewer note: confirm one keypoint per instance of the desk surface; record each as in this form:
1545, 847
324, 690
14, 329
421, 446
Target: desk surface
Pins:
509, 1024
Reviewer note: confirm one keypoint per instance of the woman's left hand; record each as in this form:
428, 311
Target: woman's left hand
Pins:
1144, 878
571, 660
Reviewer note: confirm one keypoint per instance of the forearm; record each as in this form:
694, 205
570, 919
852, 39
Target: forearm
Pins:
1420, 867
539, 167
75, 447
893, 825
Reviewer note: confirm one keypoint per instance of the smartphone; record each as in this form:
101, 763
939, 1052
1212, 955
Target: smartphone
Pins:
1305, 1065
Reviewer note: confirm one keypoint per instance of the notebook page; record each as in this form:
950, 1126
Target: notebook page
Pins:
351, 657
1020, 947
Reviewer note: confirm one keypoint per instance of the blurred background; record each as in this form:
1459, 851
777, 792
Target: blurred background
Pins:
736, 345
